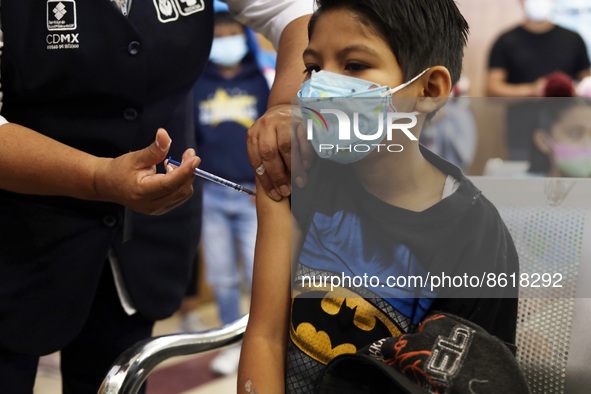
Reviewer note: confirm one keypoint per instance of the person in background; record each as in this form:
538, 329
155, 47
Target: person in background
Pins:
574, 15
230, 95
521, 58
85, 87
561, 144
520, 61
452, 132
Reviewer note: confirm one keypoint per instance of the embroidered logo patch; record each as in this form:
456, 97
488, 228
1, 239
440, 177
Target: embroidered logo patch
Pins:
167, 11
61, 15
188, 7
448, 355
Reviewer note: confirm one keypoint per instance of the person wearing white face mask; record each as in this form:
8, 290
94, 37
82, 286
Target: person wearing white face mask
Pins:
520, 61
523, 56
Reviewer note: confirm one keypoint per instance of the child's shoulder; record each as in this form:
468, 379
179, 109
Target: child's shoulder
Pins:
467, 201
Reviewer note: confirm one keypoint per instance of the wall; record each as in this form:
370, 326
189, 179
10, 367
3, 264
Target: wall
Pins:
487, 20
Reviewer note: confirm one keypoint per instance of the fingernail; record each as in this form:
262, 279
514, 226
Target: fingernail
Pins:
165, 148
169, 168
285, 192
299, 181
274, 195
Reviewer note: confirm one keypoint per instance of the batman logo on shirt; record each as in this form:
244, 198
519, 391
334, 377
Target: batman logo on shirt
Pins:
325, 324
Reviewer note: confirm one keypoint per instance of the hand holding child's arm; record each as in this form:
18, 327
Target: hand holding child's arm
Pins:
262, 361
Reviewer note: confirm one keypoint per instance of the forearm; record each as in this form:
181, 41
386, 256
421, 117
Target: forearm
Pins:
32, 163
262, 366
264, 350
503, 89
290, 66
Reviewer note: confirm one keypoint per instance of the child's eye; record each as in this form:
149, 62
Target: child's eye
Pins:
575, 134
310, 68
355, 67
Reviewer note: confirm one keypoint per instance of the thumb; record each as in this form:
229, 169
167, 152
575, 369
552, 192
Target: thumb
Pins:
156, 152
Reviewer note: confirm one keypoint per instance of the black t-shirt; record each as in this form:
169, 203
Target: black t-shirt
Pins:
527, 56
463, 232
349, 231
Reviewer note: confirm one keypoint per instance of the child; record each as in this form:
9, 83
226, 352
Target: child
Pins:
228, 98
562, 142
380, 214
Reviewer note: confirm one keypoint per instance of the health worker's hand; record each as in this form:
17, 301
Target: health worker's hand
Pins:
131, 179
276, 154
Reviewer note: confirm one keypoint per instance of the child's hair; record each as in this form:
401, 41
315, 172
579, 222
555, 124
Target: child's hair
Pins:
550, 112
421, 33
224, 17
558, 84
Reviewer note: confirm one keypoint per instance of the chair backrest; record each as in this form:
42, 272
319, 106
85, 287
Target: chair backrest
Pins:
549, 220
505, 168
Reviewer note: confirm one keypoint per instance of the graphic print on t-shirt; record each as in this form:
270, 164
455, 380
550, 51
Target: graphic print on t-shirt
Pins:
325, 324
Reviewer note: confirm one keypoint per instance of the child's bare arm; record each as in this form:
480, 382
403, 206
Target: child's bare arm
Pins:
262, 361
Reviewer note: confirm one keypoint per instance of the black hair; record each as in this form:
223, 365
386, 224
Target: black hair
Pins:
550, 112
421, 33
224, 17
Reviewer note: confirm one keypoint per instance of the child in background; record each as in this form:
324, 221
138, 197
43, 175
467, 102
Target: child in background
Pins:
228, 98
387, 212
561, 145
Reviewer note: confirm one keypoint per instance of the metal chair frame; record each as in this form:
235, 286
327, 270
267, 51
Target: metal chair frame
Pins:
133, 366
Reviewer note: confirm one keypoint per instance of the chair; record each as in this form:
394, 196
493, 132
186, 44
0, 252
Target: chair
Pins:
133, 366
549, 221
505, 168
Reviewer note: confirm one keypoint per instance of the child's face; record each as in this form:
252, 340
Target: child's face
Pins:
568, 144
574, 128
341, 44
226, 29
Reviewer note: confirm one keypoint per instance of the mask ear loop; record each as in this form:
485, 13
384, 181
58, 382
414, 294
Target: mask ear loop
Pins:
399, 88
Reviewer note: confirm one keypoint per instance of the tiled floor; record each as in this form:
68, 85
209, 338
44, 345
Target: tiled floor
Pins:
175, 376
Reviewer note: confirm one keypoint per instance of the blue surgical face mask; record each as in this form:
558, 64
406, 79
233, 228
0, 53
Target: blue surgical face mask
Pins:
228, 51
349, 95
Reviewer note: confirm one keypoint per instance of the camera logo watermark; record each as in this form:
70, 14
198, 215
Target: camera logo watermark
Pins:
357, 135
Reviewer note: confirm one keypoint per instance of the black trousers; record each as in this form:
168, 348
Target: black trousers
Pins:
85, 361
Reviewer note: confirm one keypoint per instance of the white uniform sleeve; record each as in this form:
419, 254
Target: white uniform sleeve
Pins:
2, 120
269, 17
